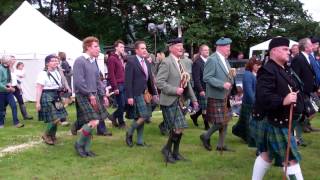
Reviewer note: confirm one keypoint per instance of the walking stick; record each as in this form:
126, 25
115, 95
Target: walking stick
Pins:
232, 74
289, 139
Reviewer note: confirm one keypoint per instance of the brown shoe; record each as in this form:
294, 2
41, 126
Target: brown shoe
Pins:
47, 139
19, 125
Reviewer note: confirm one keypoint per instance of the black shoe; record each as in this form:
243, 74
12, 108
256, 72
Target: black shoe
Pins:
129, 140
162, 129
205, 142
113, 120
80, 150
167, 155
194, 119
143, 145
91, 154
224, 148
104, 134
179, 157
28, 118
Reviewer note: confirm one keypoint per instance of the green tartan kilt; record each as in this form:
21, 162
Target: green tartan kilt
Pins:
242, 126
140, 109
216, 113
258, 132
85, 111
202, 102
48, 112
277, 139
173, 117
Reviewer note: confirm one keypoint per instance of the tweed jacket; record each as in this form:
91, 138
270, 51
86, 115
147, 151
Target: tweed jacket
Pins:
168, 80
215, 75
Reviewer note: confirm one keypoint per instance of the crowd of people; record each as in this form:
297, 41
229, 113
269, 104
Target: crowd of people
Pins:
272, 101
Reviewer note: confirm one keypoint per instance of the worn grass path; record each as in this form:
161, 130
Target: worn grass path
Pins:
116, 161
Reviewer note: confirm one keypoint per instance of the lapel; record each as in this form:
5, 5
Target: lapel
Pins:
175, 64
221, 64
307, 63
139, 65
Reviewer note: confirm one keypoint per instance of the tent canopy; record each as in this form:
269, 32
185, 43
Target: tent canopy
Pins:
30, 36
264, 46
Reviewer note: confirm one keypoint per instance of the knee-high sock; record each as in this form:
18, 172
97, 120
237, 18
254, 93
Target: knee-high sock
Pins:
50, 128
85, 136
294, 172
222, 135
176, 144
260, 168
299, 128
140, 133
213, 129
134, 126
54, 130
169, 142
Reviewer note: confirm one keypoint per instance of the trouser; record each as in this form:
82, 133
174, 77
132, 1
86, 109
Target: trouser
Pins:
118, 114
5, 99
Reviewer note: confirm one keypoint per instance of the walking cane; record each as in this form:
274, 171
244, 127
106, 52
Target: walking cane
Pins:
289, 139
232, 74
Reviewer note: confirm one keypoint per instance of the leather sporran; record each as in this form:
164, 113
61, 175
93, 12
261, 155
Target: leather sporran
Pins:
57, 103
310, 107
147, 96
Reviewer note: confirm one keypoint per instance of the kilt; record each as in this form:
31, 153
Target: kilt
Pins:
139, 109
85, 111
48, 112
277, 139
173, 117
216, 113
202, 102
258, 132
241, 128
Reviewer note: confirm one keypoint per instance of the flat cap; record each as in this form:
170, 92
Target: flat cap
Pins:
223, 41
278, 41
175, 41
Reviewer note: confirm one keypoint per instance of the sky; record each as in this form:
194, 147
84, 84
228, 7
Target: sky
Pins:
313, 8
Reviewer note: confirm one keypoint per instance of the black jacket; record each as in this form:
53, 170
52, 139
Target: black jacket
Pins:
272, 88
135, 79
197, 75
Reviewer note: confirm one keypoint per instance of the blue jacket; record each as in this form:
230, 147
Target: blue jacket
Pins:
249, 87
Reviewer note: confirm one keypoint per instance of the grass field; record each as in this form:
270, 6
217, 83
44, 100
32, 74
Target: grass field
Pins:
116, 161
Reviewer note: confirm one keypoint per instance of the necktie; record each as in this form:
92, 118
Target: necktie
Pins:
180, 67
144, 67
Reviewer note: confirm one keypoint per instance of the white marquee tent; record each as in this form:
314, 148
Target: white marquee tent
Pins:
264, 46
30, 36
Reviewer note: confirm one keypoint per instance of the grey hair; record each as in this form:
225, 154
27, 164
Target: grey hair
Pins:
5, 59
303, 43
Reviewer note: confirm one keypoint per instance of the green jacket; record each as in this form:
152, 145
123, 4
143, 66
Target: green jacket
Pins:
215, 75
168, 80
3, 78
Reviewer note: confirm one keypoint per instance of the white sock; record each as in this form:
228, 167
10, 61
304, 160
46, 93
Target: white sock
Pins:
294, 170
260, 168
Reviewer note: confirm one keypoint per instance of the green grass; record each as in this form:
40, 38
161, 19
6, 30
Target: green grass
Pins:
116, 161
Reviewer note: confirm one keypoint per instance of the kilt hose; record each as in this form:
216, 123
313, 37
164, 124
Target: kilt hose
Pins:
140, 109
173, 117
241, 128
85, 111
216, 113
48, 112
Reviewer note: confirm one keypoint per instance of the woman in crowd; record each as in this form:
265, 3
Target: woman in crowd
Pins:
50, 84
241, 128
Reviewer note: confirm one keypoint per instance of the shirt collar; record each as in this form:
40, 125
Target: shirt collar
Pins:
221, 56
86, 56
174, 57
204, 59
139, 58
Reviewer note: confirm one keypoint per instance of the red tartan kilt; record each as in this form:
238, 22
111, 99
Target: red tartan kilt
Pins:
216, 112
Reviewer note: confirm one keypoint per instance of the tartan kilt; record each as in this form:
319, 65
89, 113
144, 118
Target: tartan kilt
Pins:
215, 111
85, 111
277, 139
258, 132
139, 109
48, 112
202, 102
241, 128
173, 117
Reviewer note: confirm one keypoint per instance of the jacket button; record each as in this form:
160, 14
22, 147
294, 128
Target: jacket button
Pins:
280, 122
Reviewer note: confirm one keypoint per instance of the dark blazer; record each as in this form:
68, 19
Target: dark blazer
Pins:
197, 75
305, 72
272, 88
135, 79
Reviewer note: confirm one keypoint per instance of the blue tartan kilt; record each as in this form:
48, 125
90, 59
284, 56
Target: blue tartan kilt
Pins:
140, 109
48, 112
258, 132
216, 112
202, 102
277, 139
173, 117
85, 111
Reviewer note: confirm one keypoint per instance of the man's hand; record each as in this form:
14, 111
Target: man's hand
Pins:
130, 101
38, 106
290, 98
179, 91
202, 93
195, 104
227, 85
106, 101
93, 102
116, 92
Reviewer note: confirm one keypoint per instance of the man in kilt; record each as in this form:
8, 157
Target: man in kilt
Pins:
170, 80
277, 90
218, 79
138, 89
89, 94
200, 85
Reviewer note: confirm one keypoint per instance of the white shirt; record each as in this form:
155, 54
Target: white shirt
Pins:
14, 80
176, 61
20, 74
204, 59
307, 56
48, 82
223, 59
